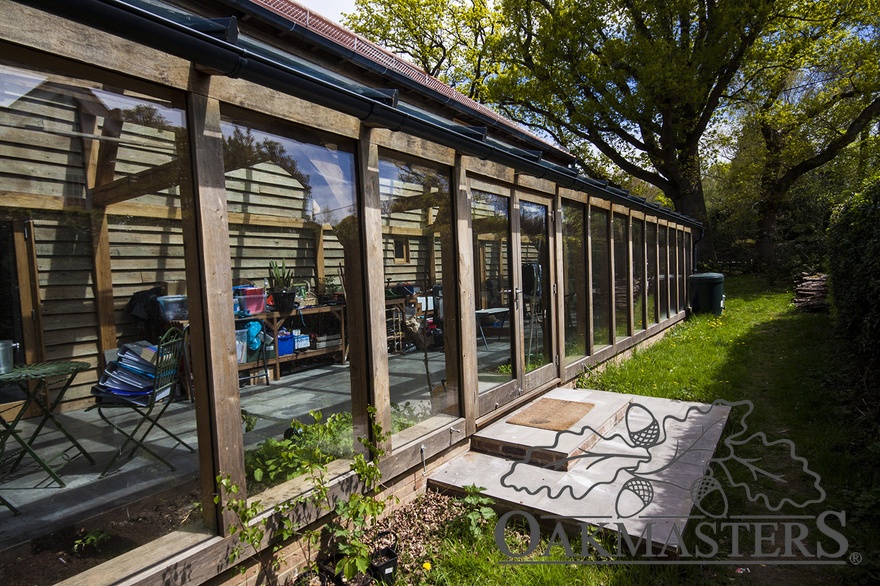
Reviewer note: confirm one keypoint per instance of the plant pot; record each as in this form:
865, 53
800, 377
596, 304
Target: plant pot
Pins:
383, 565
284, 300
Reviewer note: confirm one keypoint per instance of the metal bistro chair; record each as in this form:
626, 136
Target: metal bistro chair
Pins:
167, 360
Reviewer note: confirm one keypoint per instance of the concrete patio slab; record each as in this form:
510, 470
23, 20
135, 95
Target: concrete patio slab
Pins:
634, 474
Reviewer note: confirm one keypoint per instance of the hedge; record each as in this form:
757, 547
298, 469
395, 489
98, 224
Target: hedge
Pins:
854, 272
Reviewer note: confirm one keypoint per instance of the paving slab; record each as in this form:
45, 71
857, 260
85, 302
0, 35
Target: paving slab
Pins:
634, 476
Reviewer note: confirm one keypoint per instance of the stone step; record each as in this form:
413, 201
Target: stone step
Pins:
550, 431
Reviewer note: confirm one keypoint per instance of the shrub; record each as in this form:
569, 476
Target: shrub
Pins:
854, 272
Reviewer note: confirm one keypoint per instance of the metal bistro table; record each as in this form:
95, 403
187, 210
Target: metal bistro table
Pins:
38, 394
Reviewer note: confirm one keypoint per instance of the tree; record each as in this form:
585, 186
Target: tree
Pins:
652, 87
455, 41
638, 80
811, 90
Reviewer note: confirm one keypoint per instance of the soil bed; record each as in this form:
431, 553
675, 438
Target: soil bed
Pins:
53, 558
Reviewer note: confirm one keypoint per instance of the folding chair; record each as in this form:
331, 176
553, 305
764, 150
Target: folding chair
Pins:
167, 359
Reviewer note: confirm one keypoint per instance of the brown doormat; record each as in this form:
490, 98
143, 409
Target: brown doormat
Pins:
552, 414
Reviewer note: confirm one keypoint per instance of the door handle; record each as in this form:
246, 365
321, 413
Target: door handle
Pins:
516, 294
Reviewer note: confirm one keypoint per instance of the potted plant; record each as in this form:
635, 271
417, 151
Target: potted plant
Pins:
281, 286
329, 289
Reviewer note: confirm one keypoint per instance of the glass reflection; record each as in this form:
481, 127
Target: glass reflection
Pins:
535, 279
575, 279
417, 242
664, 273
638, 274
621, 277
651, 232
493, 298
601, 256
292, 201
91, 229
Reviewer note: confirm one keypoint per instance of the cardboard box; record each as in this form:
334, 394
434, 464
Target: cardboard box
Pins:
173, 287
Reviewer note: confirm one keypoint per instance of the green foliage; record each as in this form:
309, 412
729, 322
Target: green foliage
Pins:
478, 512
407, 415
90, 541
248, 533
249, 420
354, 515
360, 511
854, 268
275, 461
457, 41
280, 277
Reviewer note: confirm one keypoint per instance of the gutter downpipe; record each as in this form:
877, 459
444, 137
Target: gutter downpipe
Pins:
141, 26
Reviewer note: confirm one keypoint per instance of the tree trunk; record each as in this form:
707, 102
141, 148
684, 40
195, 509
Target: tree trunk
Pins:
688, 199
768, 212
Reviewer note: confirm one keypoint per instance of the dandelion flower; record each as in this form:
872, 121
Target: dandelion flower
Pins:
427, 565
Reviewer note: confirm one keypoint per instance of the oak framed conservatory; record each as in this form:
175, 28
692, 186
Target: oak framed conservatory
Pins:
450, 266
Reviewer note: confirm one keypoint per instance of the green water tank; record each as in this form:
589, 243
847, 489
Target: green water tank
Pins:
707, 292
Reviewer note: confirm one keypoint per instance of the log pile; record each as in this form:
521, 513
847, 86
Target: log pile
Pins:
811, 292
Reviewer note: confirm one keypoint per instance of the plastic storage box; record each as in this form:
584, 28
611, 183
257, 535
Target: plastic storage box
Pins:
241, 345
173, 307
285, 345
251, 299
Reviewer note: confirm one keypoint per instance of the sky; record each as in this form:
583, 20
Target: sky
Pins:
331, 9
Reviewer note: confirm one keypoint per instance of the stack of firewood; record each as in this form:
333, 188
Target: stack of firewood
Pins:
811, 292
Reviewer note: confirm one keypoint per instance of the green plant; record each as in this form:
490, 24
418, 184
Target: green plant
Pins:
280, 277
249, 420
853, 261
248, 533
303, 454
407, 415
478, 511
329, 285
90, 540
360, 511
321, 442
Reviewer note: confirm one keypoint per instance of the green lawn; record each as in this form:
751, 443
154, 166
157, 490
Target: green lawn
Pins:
791, 366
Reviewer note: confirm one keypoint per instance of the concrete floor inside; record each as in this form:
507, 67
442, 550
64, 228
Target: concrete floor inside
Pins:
44, 505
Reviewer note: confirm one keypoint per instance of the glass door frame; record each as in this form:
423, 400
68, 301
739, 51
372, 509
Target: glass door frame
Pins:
549, 372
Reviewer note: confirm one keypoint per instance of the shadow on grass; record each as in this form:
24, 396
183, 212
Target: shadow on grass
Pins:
793, 369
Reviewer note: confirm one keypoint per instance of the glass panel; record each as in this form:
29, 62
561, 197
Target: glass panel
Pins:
292, 201
652, 272
574, 264
638, 272
94, 145
535, 284
664, 274
688, 269
673, 271
682, 272
621, 277
601, 259
416, 207
493, 298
